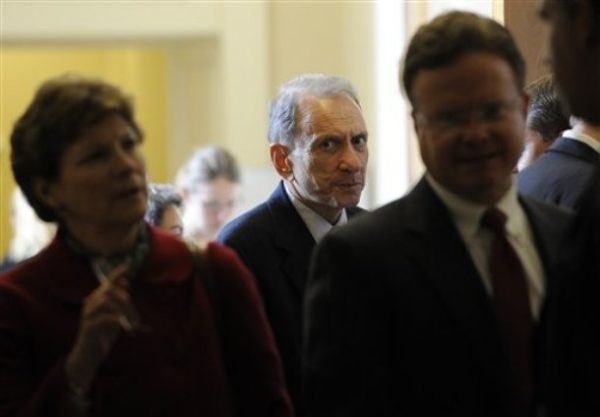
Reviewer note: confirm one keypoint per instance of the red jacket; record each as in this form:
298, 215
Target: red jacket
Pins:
176, 369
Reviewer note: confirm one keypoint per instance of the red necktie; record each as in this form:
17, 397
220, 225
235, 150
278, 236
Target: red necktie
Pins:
513, 311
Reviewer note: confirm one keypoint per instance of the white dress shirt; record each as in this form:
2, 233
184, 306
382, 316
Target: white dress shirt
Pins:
317, 225
478, 240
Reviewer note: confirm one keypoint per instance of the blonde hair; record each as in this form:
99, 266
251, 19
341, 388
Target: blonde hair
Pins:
205, 165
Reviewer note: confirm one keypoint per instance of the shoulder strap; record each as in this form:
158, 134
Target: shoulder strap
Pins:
207, 277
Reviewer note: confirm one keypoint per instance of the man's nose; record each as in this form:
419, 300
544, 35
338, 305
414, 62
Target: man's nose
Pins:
352, 159
476, 128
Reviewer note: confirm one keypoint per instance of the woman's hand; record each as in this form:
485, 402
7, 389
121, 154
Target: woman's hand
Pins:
106, 312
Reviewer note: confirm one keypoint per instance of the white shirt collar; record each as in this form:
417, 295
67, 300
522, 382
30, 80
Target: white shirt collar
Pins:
317, 225
478, 240
467, 215
582, 137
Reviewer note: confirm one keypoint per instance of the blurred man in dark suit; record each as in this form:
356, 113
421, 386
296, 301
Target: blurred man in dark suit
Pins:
574, 36
429, 306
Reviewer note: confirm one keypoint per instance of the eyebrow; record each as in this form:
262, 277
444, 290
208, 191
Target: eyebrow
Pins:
361, 135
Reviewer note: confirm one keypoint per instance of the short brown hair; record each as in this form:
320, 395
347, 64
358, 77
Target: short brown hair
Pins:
63, 109
450, 36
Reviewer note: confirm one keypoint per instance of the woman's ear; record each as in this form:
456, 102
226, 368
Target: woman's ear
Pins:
281, 160
44, 191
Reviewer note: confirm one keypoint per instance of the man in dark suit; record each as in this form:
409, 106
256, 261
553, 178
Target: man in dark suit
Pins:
564, 173
574, 36
429, 305
318, 145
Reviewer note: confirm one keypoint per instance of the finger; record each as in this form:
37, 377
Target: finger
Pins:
107, 295
98, 333
119, 276
111, 299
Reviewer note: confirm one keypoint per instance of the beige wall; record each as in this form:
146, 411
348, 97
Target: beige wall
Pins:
139, 71
224, 61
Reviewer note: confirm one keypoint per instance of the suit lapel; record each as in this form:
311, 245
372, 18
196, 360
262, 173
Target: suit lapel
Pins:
441, 252
547, 233
291, 238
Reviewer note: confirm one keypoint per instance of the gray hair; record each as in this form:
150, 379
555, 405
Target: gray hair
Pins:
282, 111
205, 165
160, 198
545, 113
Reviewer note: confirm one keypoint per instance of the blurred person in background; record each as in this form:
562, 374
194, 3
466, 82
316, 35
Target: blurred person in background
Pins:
563, 174
546, 119
164, 208
30, 234
209, 184
115, 318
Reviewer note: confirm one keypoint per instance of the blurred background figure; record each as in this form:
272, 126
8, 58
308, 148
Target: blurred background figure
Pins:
209, 184
563, 174
30, 234
164, 208
546, 119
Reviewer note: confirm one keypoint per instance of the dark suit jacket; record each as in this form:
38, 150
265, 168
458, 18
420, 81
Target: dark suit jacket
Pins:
562, 174
575, 305
398, 322
176, 369
568, 174
276, 245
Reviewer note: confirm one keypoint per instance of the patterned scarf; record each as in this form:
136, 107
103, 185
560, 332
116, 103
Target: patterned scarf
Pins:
102, 265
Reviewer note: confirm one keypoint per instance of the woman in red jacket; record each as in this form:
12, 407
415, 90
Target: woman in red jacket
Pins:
116, 318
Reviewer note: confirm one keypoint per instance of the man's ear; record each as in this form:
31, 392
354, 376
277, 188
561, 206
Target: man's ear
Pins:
44, 191
413, 115
281, 160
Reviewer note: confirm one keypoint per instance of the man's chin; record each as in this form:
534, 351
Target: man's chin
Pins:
348, 201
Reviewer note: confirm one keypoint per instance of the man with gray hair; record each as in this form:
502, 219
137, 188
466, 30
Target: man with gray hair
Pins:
318, 146
546, 120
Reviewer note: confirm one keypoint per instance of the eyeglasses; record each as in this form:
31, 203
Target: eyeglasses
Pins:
452, 119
